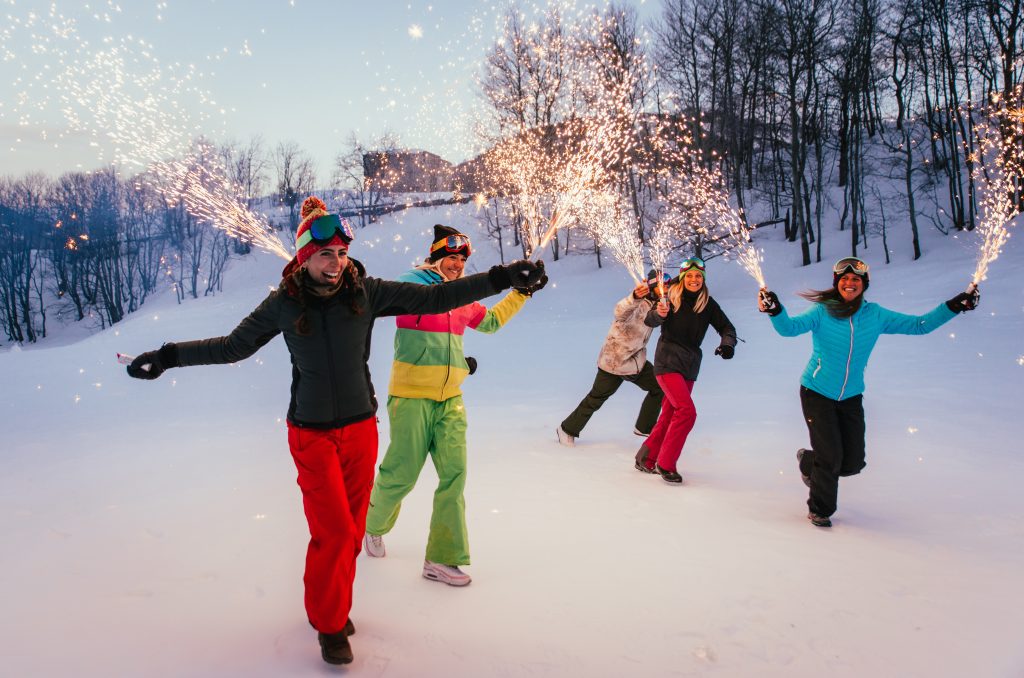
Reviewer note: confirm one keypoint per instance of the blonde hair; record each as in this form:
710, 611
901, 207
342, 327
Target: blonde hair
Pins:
675, 296
435, 266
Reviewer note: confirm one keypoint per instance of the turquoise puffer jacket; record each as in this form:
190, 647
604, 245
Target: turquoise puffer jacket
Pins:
842, 346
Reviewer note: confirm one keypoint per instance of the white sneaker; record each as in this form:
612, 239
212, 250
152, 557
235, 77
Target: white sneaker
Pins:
374, 545
565, 438
447, 574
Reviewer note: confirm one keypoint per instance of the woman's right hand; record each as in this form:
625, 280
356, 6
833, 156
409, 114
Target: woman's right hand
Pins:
662, 307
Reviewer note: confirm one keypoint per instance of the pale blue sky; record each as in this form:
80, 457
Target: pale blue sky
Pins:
312, 71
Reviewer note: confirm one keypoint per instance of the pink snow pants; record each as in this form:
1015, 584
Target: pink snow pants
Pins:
678, 415
335, 475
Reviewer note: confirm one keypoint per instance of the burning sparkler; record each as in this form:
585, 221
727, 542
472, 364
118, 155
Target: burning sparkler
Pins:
999, 171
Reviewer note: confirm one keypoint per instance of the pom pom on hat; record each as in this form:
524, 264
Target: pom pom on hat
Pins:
312, 203
312, 209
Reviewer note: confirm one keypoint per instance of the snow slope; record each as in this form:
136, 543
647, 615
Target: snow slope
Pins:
156, 529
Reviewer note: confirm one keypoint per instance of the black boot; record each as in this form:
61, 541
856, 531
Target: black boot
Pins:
641, 460
669, 476
349, 629
334, 647
800, 454
819, 521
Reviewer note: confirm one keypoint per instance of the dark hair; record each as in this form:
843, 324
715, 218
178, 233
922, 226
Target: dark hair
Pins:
834, 303
349, 288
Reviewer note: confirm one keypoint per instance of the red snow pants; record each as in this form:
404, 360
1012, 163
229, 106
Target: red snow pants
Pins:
336, 475
678, 415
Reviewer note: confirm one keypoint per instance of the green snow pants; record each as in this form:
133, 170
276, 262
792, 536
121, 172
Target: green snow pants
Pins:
420, 427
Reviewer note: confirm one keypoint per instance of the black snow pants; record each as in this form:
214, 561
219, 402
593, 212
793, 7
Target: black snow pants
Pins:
837, 439
605, 384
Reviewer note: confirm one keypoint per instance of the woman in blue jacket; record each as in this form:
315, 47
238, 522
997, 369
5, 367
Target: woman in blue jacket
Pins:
844, 328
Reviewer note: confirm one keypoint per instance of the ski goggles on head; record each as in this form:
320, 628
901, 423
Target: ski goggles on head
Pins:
850, 265
692, 262
453, 243
323, 230
655, 280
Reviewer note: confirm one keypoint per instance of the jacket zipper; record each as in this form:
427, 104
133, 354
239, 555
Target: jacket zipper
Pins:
448, 367
849, 358
330, 365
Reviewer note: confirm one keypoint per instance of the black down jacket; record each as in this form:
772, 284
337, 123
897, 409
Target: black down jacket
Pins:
331, 384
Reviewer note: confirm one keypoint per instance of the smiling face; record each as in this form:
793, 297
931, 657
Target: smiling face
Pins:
326, 264
452, 266
693, 280
850, 287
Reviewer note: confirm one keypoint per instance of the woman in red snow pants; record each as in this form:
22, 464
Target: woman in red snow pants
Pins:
325, 307
684, 317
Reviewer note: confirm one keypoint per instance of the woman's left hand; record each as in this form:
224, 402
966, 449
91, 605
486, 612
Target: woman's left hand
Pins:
965, 301
727, 352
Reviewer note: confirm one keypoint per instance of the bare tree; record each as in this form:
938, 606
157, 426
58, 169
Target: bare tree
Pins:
296, 177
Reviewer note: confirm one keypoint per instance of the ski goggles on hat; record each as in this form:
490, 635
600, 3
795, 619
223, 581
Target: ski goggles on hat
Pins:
665, 277
692, 262
453, 243
323, 230
850, 265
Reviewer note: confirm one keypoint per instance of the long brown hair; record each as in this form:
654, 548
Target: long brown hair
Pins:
834, 303
350, 286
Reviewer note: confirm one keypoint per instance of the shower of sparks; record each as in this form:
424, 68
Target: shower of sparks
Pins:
559, 169
1000, 173
700, 214
659, 245
415, 32
202, 184
118, 93
614, 226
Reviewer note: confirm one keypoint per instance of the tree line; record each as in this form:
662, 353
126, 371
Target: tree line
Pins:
788, 98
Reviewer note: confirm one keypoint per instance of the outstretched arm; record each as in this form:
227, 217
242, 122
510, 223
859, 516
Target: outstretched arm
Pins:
791, 326
248, 337
491, 320
387, 297
901, 323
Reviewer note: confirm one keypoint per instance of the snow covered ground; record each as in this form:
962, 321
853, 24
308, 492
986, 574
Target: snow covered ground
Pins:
156, 529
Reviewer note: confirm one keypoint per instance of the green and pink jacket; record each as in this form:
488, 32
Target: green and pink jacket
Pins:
429, 359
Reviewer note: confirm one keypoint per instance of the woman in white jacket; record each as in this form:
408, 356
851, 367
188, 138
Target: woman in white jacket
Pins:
623, 357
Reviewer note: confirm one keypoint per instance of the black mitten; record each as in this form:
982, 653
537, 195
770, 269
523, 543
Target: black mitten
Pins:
727, 352
769, 303
152, 364
965, 301
471, 361
519, 274
530, 290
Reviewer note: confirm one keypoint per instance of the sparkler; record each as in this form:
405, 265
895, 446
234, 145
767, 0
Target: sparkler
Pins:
119, 93
1000, 172
209, 195
614, 226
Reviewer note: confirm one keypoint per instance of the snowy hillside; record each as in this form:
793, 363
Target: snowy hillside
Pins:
156, 528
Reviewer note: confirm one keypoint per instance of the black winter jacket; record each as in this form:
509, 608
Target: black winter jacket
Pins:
683, 331
331, 384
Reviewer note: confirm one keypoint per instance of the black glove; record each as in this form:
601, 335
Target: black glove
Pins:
771, 303
518, 274
965, 301
530, 290
727, 352
471, 361
157, 361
